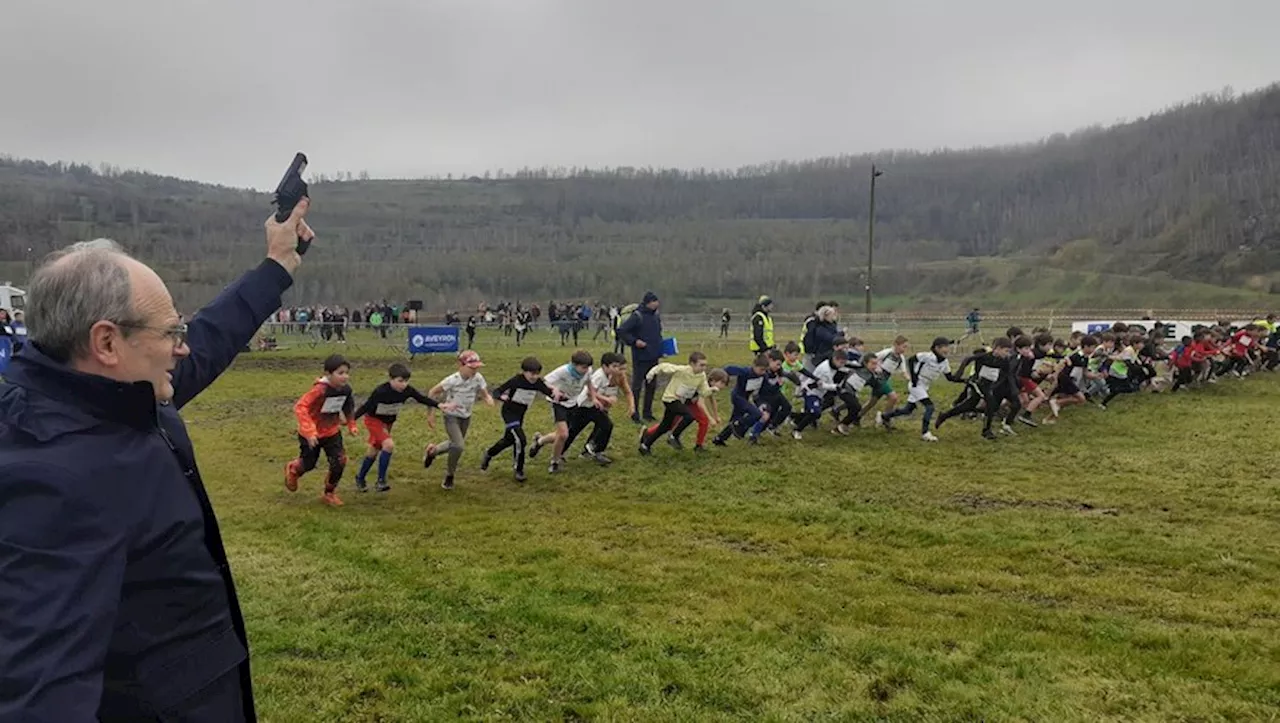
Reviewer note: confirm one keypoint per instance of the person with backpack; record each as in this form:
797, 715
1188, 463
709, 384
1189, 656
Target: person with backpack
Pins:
642, 331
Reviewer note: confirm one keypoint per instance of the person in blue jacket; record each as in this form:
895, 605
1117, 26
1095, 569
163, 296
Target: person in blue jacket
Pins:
116, 598
746, 416
642, 331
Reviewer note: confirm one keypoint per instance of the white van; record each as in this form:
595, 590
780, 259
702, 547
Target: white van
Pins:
12, 298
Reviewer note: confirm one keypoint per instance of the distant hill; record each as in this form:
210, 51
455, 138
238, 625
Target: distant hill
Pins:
1116, 215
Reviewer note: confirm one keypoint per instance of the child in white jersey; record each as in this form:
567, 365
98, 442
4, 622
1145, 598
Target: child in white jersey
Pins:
893, 360
922, 370
573, 380
610, 384
461, 389
819, 389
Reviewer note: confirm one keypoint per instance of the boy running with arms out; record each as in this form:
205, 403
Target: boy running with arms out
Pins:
461, 389
688, 384
745, 415
993, 382
818, 389
573, 381
923, 369
716, 380
517, 393
319, 413
380, 411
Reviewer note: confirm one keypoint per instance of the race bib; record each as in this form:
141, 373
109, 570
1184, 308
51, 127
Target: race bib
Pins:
524, 396
754, 384
990, 374
388, 410
333, 405
684, 391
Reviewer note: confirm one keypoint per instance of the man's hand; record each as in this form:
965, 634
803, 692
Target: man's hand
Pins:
640, 344
312, 442
282, 238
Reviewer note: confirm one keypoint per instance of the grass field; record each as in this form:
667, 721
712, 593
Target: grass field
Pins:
1123, 565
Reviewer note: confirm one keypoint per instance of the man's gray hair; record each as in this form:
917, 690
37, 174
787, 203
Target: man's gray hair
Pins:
73, 289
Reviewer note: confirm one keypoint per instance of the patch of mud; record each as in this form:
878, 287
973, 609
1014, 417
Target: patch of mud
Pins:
983, 503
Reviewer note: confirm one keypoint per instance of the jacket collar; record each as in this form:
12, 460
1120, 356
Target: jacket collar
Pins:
131, 403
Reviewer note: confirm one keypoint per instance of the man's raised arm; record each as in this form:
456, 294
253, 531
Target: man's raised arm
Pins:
222, 328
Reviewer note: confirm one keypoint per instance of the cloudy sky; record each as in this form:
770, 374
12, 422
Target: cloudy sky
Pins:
226, 91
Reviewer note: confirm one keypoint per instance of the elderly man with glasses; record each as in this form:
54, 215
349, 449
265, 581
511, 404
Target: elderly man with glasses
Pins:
116, 599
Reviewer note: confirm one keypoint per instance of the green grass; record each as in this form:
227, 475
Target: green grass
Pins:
1123, 565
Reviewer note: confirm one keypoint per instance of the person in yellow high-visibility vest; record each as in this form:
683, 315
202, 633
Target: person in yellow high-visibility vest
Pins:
762, 326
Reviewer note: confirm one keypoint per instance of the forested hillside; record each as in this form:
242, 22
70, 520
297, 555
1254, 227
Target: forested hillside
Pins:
1188, 194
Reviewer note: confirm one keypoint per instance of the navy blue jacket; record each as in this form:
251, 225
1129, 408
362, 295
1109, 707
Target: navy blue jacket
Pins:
820, 339
644, 324
116, 600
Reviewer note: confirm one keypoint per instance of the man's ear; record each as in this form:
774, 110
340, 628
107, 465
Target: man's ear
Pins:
105, 340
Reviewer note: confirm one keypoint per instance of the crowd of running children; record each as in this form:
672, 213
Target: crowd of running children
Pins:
1009, 379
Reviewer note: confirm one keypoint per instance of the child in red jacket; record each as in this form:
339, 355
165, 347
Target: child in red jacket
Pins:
1182, 359
319, 413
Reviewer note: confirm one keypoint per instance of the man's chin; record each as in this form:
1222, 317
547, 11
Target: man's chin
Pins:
164, 391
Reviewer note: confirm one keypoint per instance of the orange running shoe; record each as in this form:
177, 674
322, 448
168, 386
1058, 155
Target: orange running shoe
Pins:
331, 498
290, 477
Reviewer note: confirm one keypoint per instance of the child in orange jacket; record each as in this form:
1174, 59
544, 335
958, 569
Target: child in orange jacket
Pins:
319, 414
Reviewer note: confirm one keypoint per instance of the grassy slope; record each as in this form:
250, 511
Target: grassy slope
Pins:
1122, 565
1026, 283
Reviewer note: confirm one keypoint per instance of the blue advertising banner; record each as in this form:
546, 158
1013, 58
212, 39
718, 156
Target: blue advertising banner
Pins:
6, 352
433, 339
670, 347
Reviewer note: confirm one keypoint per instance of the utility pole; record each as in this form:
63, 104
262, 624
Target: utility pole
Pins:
871, 234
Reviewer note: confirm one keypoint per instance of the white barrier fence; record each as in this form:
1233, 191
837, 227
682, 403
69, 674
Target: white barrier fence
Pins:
874, 329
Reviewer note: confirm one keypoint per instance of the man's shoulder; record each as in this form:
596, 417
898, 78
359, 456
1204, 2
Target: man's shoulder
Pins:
27, 414
60, 469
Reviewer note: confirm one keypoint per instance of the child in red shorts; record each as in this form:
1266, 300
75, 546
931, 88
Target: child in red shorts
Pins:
380, 412
319, 413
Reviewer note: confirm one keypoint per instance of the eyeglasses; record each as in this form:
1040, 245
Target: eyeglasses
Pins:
177, 333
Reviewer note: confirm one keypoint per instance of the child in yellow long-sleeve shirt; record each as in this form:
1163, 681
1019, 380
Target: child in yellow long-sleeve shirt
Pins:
687, 387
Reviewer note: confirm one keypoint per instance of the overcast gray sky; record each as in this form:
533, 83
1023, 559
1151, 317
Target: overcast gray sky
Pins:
225, 91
